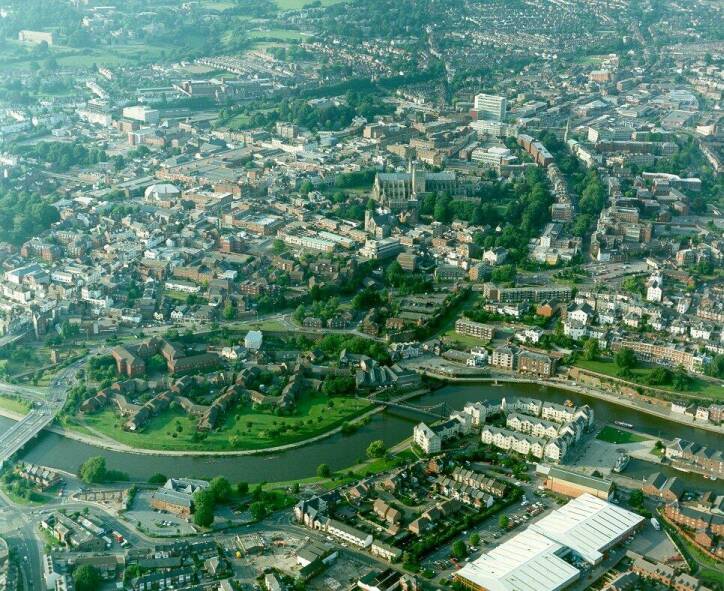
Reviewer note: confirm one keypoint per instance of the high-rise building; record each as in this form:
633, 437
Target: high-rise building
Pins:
490, 105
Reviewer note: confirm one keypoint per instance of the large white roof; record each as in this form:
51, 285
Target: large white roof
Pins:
531, 560
527, 562
588, 525
161, 189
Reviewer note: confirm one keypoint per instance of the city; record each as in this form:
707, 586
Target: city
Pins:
348, 294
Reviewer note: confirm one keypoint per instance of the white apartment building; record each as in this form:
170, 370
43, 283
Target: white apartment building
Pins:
490, 105
429, 441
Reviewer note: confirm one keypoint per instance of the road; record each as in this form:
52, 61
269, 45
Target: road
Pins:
16, 524
42, 413
18, 531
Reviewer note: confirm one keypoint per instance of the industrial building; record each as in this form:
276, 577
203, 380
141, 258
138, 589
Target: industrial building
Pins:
543, 557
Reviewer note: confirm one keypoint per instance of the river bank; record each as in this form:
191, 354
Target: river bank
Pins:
109, 444
572, 386
341, 450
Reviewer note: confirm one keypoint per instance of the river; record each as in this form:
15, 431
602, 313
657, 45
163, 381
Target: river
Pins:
340, 451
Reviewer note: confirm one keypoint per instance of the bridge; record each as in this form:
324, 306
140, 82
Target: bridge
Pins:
435, 411
15, 438
46, 405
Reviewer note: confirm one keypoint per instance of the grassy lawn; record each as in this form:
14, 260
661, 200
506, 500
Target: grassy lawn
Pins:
84, 58
313, 417
613, 435
639, 375
298, 4
463, 341
19, 406
358, 471
272, 325
219, 4
282, 34
37, 497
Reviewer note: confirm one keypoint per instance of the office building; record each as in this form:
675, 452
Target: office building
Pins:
490, 106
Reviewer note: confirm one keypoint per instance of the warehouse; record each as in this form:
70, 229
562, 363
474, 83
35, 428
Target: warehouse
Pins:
542, 557
589, 526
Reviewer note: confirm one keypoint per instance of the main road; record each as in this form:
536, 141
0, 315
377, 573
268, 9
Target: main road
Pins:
44, 410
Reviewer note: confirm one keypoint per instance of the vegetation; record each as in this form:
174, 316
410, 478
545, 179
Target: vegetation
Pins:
87, 578
617, 436
244, 427
376, 449
204, 504
23, 215
94, 471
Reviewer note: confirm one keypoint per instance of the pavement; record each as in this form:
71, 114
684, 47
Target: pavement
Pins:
43, 412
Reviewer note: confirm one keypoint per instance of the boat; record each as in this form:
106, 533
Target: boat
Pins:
711, 477
623, 424
621, 462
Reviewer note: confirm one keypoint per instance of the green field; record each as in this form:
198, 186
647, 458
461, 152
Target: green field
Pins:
612, 435
297, 4
18, 406
218, 4
281, 34
697, 386
84, 58
313, 417
462, 340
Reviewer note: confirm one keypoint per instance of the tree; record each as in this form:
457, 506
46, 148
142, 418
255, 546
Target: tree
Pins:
158, 478
306, 188
204, 508
221, 489
376, 449
715, 367
93, 470
636, 498
442, 212
503, 521
229, 311
459, 550
87, 578
474, 539
590, 349
242, 488
323, 471
625, 358
504, 274
278, 246
257, 510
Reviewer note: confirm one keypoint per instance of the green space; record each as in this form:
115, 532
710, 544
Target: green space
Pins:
351, 474
84, 58
237, 122
14, 405
640, 375
283, 34
463, 341
612, 435
245, 428
299, 4
272, 325
219, 4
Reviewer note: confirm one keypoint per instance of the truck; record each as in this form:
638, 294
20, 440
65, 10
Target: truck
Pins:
655, 523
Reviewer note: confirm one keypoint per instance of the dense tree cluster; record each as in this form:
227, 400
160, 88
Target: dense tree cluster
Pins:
61, 156
24, 215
